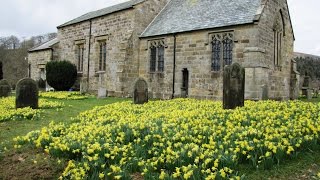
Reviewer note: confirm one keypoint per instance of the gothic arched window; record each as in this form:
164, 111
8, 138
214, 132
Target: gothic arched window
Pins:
222, 50
216, 53
279, 32
227, 50
157, 56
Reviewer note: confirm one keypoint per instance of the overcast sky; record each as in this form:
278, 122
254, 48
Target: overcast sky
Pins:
25, 18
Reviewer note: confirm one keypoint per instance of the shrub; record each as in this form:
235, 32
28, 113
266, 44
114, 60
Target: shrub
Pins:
61, 75
309, 66
5, 88
27, 94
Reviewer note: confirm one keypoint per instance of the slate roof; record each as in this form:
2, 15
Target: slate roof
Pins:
189, 15
46, 45
102, 12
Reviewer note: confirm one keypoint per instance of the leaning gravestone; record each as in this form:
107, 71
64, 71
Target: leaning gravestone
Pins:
233, 86
140, 94
5, 88
27, 94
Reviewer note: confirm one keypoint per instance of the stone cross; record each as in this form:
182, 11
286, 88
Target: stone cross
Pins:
233, 86
140, 94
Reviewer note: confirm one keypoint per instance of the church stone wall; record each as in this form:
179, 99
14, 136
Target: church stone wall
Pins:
37, 61
277, 78
120, 30
253, 49
115, 29
194, 53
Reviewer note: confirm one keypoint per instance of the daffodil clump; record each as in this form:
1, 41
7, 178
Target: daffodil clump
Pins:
8, 111
63, 95
179, 139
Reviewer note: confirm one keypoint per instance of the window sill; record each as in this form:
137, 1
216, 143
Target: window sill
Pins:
79, 74
100, 72
157, 72
278, 68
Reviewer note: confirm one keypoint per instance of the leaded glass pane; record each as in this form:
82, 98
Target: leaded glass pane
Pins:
153, 59
104, 56
80, 52
227, 51
161, 59
216, 50
101, 56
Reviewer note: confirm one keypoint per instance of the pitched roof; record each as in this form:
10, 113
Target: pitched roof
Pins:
189, 15
45, 46
102, 12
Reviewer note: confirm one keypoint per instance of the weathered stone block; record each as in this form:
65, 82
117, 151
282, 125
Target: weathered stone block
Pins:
233, 86
27, 93
140, 94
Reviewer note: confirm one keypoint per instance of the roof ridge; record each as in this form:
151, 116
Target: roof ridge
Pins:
99, 12
155, 18
35, 47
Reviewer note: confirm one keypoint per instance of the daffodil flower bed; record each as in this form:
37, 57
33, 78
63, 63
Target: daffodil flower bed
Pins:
63, 95
8, 111
179, 139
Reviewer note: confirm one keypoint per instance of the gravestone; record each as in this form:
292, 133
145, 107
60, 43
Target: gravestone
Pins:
306, 87
84, 85
265, 93
233, 86
27, 94
102, 92
5, 88
140, 93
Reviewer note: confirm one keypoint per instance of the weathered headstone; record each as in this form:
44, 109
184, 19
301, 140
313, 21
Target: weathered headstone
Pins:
5, 88
306, 87
265, 93
102, 92
84, 86
27, 93
233, 86
140, 94
315, 92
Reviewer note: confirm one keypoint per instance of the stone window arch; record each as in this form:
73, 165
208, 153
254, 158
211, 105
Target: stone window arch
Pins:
157, 56
222, 50
102, 55
279, 33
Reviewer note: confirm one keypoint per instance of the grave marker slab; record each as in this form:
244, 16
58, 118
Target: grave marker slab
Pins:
233, 86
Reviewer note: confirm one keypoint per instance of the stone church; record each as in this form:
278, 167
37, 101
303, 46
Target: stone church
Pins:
179, 47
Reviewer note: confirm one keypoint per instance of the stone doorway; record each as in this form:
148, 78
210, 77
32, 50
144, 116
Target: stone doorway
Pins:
185, 83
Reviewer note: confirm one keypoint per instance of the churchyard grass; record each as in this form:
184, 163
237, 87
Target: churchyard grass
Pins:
157, 124
29, 163
181, 138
